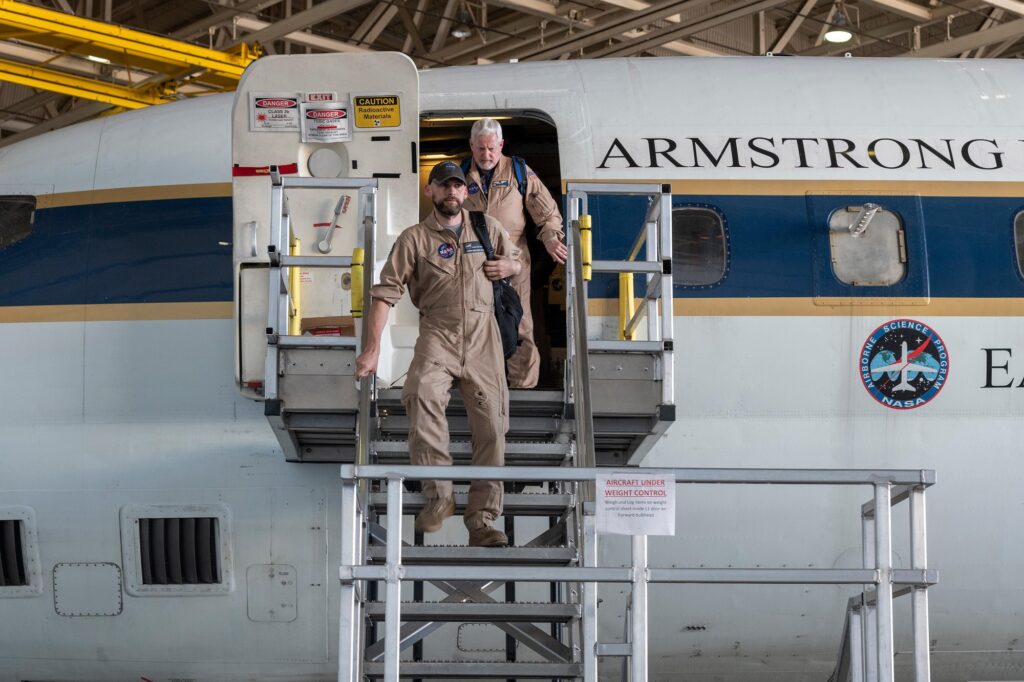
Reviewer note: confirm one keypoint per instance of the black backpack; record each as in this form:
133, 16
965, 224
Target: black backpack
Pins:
508, 309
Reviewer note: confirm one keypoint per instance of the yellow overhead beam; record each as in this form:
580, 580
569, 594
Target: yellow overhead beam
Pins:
123, 40
86, 88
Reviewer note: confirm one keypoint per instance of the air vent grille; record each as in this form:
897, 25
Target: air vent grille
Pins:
12, 557
179, 551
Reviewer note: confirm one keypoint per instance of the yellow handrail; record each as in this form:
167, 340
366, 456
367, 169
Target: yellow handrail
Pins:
626, 304
358, 255
294, 291
586, 246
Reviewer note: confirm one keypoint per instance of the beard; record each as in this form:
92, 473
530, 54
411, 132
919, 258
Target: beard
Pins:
449, 206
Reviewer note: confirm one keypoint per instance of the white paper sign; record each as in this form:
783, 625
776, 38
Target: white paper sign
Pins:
273, 112
325, 122
630, 504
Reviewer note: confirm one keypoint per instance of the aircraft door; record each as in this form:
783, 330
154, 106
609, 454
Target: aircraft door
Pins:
325, 175
868, 248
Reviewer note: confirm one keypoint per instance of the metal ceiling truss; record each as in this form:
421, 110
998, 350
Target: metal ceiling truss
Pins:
158, 50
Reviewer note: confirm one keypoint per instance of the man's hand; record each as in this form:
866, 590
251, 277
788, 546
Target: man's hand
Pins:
557, 250
501, 267
366, 363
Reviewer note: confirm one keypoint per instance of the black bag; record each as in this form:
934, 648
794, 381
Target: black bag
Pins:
508, 309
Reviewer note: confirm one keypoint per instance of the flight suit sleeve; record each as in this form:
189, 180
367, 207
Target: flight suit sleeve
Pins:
542, 208
397, 271
500, 241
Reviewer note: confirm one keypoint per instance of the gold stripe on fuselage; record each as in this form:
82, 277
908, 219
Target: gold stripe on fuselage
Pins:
803, 187
608, 307
123, 194
118, 312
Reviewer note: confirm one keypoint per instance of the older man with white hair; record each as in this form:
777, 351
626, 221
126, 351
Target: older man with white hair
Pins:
505, 188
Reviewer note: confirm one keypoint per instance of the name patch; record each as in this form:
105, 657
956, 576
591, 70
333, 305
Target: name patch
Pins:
446, 250
500, 183
473, 247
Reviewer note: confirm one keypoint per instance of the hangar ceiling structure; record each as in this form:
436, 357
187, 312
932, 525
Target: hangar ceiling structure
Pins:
64, 61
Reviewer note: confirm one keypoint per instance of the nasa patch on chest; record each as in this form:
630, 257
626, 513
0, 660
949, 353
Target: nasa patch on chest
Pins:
904, 364
446, 250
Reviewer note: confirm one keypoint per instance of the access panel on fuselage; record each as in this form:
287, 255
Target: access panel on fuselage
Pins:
347, 116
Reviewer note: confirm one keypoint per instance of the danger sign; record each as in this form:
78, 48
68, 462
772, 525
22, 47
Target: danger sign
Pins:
377, 111
325, 122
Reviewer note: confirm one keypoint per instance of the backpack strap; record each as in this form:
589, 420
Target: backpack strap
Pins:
519, 170
466, 164
480, 227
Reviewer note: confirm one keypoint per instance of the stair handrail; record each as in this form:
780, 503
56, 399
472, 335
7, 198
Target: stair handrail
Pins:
579, 366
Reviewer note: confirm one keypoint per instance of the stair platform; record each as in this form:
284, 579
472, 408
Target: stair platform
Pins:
519, 453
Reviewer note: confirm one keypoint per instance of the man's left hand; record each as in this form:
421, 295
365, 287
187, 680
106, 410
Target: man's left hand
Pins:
557, 250
500, 268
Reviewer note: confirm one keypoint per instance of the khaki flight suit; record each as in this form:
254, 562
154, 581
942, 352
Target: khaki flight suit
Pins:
504, 203
458, 342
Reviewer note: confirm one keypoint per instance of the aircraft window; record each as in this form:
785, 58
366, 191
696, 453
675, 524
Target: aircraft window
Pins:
698, 246
867, 245
1018, 239
17, 213
12, 557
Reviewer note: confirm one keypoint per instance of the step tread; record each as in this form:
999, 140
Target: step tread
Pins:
466, 612
463, 555
478, 669
515, 504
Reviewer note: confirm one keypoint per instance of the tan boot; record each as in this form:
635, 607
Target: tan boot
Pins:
487, 536
434, 512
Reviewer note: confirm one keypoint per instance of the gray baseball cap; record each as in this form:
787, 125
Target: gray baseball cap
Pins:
446, 170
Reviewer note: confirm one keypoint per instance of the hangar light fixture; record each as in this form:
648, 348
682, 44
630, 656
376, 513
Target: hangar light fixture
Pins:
839, 31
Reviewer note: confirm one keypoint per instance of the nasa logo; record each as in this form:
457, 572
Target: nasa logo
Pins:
474, 188
446, 250
904, 364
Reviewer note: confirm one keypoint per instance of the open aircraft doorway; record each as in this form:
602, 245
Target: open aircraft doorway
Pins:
532, 136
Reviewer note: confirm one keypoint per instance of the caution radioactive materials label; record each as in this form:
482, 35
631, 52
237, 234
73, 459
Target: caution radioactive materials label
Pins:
377, 111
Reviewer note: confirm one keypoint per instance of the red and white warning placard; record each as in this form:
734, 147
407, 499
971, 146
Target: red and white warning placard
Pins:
631, 504
325, 122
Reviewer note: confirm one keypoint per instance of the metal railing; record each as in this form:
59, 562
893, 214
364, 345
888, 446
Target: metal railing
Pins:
283, 311
655, 238
889, 487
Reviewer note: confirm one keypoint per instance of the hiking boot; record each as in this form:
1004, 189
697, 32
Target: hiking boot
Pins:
434, 512
487, 536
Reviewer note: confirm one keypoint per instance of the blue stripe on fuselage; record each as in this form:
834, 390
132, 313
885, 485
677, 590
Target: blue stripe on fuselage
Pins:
162, 251
169, 251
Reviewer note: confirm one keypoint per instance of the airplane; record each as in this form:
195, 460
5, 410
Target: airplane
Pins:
127, 397
904, 365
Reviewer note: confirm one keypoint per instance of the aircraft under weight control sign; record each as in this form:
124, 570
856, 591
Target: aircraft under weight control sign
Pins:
377, 111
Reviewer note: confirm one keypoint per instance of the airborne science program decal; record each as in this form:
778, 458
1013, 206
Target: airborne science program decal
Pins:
904, 364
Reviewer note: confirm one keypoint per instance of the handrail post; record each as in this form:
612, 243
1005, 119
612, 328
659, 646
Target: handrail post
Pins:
393, 595
349, 651
919, 595
589, 625
869, 620
883, 592
638, 652
856, 644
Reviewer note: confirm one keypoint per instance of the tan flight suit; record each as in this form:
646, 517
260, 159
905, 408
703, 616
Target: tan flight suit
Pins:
458, 342
503, 202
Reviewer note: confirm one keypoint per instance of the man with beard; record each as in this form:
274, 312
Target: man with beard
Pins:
449, 279
506, 189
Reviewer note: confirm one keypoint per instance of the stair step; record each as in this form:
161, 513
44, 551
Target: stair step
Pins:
516, 453
516, 504
478, 670
473, 612
520, 428
463, 556
521, 402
